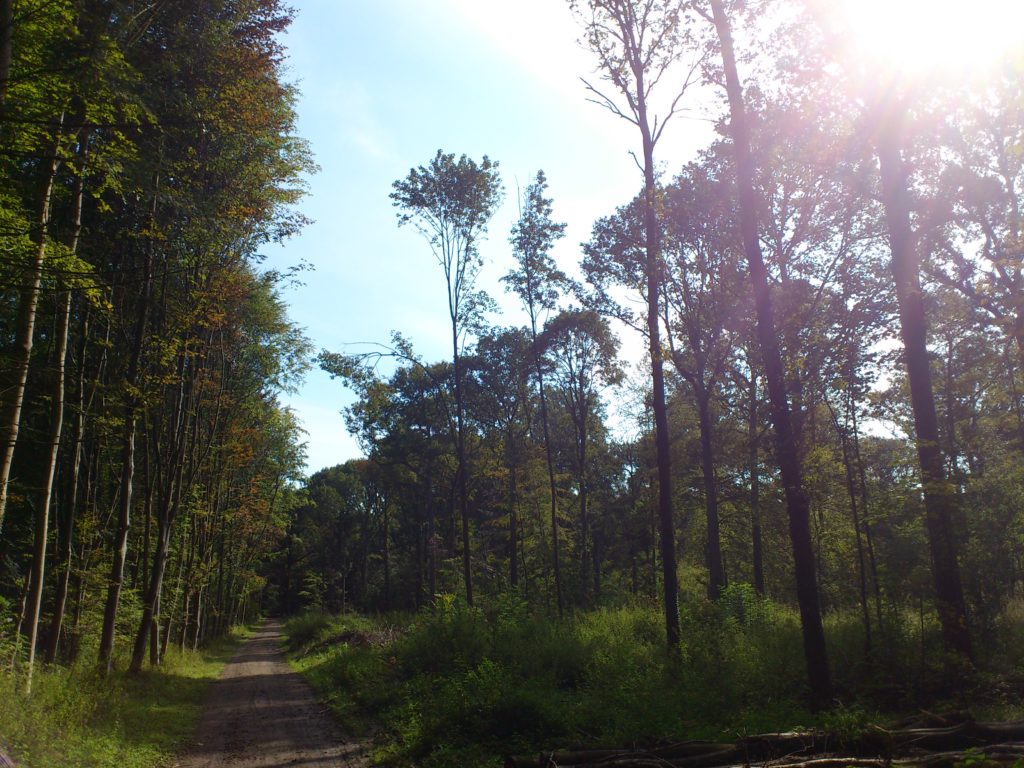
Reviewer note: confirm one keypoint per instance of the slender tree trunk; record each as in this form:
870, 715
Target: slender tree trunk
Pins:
797, 504
67, 530
116, 579
855, 513
552, 488
581, 458
35, 599
22, 609
865, 506
513, 520
25, 322
940, 499
652, 270
431, 536
460, 449
154, 635
70, 504
387, 553
716, 570
755, 487
168, 513
200, 618
151, 603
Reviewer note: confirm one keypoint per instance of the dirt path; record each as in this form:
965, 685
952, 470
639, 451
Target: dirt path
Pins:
260, 714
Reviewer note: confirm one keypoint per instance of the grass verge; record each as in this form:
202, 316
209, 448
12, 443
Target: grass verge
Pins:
76, 718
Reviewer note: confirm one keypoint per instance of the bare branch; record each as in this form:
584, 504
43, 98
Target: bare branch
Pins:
603, 100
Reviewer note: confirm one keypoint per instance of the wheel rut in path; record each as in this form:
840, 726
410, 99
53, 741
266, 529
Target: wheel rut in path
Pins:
261, 714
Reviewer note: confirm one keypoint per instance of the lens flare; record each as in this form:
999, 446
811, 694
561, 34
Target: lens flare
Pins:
925, 38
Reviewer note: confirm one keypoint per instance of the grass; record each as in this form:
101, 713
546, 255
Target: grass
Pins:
465, 686
74, 717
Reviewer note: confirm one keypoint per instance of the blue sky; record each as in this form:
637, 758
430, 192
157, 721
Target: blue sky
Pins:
386, 84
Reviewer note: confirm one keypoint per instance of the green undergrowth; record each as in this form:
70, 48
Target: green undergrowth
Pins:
75, 718
464, 686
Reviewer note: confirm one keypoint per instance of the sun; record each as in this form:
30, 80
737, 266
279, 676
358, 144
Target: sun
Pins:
931, 38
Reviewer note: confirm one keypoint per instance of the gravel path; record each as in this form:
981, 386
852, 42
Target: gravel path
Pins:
260, 714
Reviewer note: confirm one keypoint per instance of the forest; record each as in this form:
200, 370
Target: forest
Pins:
753, 463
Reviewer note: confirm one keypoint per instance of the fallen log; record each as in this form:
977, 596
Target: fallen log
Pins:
956, 739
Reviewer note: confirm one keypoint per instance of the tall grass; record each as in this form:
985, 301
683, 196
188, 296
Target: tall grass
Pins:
462, 686
76, 718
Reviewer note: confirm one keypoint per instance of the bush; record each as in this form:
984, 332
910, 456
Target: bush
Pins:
463, 686
306, 629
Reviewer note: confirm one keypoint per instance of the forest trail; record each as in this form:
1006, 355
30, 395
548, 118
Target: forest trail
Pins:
261, 714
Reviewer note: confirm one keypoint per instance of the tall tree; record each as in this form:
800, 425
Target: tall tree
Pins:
637, 43
450, 202
940, 498
583, 352
703, 311
787, 451
536, 280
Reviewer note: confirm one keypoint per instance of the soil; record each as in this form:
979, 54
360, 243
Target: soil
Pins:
261, 714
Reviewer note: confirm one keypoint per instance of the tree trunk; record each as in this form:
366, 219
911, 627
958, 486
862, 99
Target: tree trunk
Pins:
716, 570
513, 521
168, 512
787, 450
35, 599
64, 546
431, 536
755, 487
152, 597
652, 270
552, 489
67, 530
940, 500
581, 458
855, 513
132, 377
387, 554
460, 450
25, 322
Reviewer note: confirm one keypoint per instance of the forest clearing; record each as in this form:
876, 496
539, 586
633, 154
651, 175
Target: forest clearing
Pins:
677, 419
